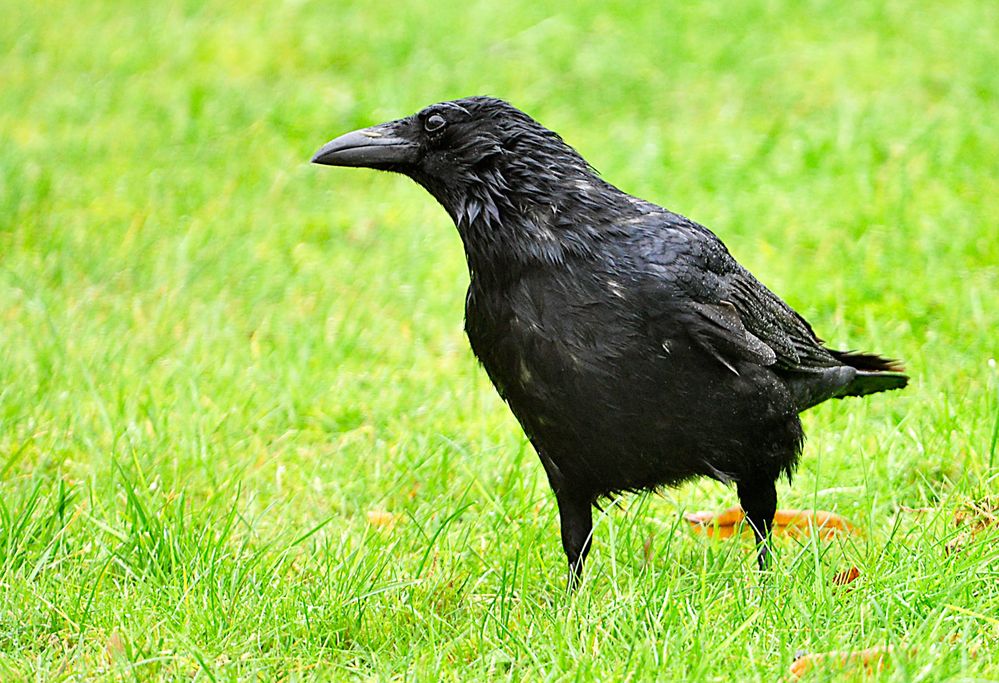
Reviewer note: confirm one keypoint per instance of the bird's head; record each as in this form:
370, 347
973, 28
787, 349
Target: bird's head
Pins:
463, 149
504, 178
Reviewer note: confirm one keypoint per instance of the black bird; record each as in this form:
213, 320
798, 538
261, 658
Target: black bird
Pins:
633, 349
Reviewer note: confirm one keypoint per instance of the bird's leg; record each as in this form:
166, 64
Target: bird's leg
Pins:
758, 497
576, 516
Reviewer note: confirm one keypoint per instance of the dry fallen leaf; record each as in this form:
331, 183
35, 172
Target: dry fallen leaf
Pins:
870, 660
383, 519
974, 517
729, 517
844, 577
720, 525
413, 491
827, 524
115, 647
981, 513
647, 549
786, 522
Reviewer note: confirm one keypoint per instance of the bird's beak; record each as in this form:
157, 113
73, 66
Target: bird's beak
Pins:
377, 146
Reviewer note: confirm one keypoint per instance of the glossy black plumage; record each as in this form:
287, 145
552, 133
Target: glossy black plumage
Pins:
632, 348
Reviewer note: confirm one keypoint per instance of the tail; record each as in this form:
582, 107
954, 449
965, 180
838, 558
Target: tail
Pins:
874, 373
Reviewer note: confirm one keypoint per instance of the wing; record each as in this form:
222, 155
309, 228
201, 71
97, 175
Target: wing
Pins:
718, 328
723, 307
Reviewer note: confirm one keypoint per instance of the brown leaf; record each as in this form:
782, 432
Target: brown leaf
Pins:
847, 576
870, 660
382, 519
716, 525
786, 522
729, 517
973, 517
413, 491
980, 514
115, 647
647, 549
803, 522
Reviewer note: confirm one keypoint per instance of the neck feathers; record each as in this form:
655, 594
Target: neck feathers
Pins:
529, 211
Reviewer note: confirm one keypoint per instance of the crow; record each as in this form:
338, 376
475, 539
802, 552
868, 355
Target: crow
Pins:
633, 349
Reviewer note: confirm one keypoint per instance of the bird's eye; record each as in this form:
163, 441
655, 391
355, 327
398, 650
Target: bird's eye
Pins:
434, 123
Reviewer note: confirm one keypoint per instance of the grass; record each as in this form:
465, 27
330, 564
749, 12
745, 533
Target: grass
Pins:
216, 360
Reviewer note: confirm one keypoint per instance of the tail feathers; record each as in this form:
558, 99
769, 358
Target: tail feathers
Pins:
872, 382
867, 361
874, 373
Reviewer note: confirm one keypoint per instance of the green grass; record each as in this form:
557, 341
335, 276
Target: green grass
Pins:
215, 359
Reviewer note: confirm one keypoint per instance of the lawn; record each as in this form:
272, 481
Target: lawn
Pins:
241, 432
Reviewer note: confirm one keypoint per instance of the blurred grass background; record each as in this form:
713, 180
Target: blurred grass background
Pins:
216, 360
